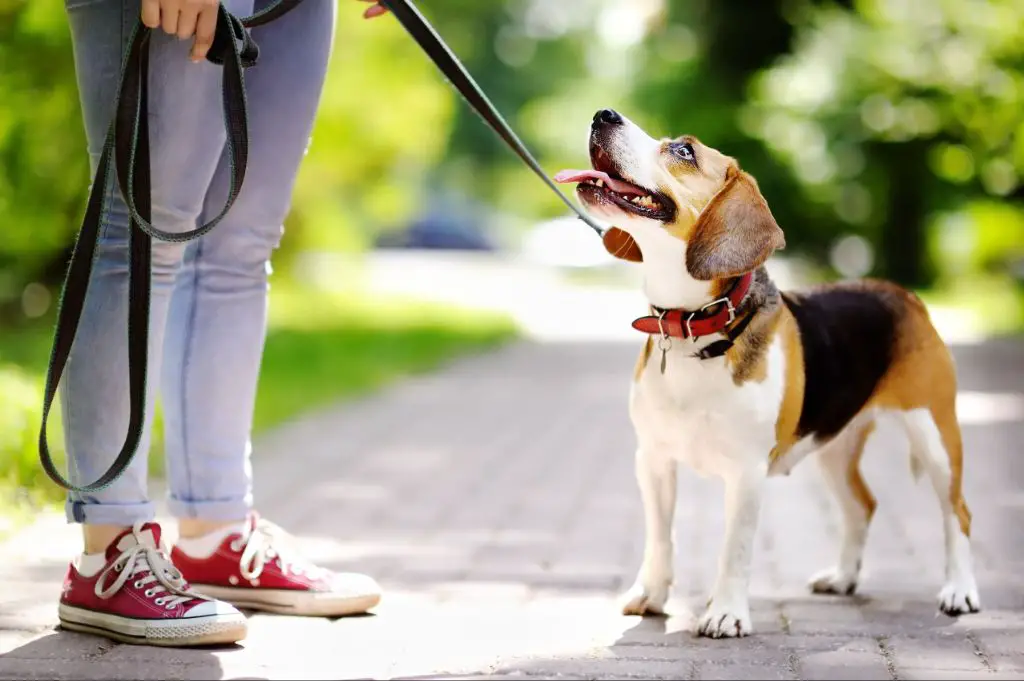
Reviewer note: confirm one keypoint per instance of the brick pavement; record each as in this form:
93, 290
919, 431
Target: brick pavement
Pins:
496, 503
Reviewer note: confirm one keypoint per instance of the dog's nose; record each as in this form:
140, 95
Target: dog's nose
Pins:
609, 116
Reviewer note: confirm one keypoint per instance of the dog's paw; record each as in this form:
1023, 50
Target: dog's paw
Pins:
833, 581
644, 600
728, 620
959, 597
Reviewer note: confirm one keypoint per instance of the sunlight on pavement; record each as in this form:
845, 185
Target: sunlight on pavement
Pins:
412, 635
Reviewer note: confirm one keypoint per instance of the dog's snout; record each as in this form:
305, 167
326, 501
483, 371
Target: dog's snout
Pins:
607, 116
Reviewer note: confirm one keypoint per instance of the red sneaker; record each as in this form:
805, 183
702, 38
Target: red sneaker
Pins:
253, 569
140, 597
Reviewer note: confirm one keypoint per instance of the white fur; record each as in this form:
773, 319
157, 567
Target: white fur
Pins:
960, 593
834, 459
719, 429
694, 413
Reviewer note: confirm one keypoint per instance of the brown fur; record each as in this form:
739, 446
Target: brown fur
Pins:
645, 356
921, 375
746, 359
793, 386
859, 488
735, 233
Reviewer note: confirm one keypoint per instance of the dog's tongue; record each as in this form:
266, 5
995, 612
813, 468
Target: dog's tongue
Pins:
568, 176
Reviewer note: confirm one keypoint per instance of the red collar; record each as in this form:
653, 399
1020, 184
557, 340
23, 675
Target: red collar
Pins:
680, 323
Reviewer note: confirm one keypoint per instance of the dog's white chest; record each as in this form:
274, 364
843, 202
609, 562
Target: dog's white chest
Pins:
697, 414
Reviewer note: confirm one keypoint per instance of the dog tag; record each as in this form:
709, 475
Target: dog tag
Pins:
664, 343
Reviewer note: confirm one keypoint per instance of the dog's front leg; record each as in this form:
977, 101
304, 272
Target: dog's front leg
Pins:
728, 611
656, 476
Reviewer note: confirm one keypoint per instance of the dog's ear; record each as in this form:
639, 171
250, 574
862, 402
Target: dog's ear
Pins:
621, 245
735, 233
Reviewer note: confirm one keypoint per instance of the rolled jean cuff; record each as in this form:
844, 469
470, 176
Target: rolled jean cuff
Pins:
124, 515
215, 510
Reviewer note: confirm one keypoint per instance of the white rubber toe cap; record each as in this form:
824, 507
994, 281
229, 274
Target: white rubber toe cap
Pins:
355, 585
214, 609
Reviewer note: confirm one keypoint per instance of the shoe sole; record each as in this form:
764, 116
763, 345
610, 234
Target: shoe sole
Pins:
184, 632
290, 602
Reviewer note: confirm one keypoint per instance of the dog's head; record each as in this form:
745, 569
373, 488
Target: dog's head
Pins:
674, 188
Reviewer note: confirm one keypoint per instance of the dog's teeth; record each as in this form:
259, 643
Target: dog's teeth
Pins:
599, 183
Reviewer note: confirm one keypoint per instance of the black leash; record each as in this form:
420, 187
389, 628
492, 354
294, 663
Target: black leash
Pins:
126, 152
428, 39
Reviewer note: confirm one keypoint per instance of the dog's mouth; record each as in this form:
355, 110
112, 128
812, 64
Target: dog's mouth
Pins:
603, 185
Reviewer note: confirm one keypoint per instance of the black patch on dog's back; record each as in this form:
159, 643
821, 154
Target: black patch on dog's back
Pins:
848, 335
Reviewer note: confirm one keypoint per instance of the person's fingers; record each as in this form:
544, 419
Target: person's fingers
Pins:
375, 11
169, 10
151, 13
206, 26
187, 19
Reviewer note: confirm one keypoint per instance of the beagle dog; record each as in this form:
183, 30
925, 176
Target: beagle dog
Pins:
740, 380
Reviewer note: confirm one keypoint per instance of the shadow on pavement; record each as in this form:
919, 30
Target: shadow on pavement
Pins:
70, 655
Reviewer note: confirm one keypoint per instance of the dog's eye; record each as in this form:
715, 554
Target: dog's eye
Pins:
683, 150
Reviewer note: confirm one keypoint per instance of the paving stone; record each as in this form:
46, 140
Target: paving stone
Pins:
496, 502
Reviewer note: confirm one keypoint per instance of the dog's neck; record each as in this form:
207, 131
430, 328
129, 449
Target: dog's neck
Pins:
666, 283
670, 289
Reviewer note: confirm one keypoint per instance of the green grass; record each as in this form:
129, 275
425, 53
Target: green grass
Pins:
321, 348
327, 347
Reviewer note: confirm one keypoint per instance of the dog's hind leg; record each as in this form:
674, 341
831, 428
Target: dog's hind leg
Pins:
656, 476
935, 442
840, 464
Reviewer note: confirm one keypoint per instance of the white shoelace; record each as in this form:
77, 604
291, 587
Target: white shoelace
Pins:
262, 545
163, 581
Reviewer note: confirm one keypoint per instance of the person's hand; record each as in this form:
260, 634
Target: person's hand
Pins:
184, 19
377, 10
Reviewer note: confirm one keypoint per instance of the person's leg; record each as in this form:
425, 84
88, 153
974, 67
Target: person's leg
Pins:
215, 343
186, 138
219, 307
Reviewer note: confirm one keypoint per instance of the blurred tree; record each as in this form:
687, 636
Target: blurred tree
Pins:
44, 169
524, 54
892, 110
878, 118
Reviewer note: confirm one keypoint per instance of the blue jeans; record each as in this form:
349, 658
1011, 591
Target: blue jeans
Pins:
209, 300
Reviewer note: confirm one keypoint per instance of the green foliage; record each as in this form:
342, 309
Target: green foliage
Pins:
897, 110
880, 118
19, 412
44, 168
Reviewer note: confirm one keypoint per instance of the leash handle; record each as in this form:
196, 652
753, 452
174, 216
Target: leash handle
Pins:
417, 26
